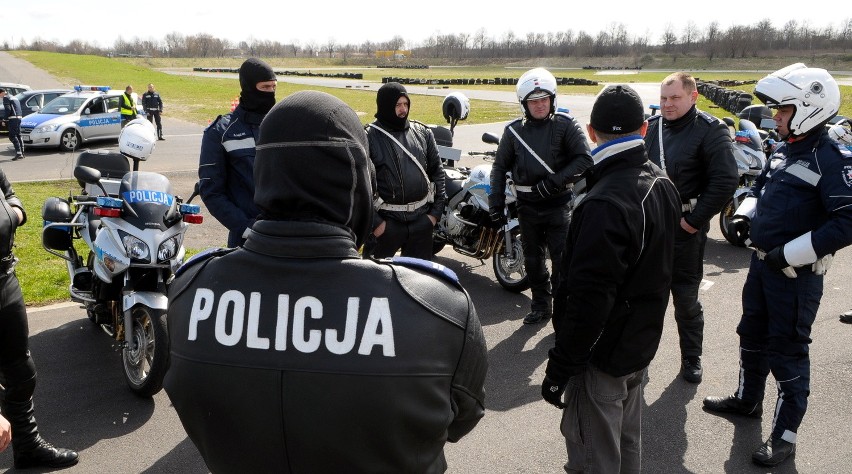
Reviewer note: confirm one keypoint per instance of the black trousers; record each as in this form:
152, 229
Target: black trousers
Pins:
17, 370
154, 117
15, 135
543, 230
414, 238
687, 273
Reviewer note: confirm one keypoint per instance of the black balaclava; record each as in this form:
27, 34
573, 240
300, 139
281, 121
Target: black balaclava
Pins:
253, 71
312, 163
386, 100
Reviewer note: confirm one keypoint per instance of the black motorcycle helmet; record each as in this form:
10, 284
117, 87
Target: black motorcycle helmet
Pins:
759, 115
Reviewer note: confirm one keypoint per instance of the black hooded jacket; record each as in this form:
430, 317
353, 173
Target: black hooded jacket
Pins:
292, 354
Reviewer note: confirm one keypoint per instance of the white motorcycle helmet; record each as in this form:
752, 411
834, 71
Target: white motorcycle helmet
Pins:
812, 91
841, 133
535, 84
137, 139
456, 107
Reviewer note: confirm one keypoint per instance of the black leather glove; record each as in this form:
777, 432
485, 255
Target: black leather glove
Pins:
738, 227
498, 218
544, 189
552, 391
775, 259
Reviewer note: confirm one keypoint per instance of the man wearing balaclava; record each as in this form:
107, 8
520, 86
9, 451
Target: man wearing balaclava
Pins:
226, 165
290, 367
410, 178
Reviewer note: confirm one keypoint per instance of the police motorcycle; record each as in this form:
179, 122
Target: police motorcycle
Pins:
752, 145
465, 223
132, 227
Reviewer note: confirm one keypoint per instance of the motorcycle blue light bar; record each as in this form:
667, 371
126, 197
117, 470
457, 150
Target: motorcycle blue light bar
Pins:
111, 202
190, 209
81, 88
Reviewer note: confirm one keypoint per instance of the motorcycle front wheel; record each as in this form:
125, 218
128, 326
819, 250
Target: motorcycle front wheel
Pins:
509, 270
145, 363
725, 219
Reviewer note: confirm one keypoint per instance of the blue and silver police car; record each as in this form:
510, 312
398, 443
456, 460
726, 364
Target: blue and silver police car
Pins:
70, 120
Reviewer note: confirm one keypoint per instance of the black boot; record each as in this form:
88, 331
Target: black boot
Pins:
29, 448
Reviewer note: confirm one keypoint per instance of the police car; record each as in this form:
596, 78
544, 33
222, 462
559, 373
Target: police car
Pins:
88, 113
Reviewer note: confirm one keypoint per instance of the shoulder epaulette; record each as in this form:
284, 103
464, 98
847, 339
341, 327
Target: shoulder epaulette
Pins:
517, 120
707, 117
429, 267
202, 257
564, 114
213, 123
654, 117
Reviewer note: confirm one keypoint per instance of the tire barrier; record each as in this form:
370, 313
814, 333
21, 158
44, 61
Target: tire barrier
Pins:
340, 75
725, 94
616, 68
402, 66
497, 81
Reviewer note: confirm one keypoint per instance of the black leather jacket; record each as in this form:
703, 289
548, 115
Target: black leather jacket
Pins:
611, 302
316, 361
398, 179
699, 160
8, 223
558, 141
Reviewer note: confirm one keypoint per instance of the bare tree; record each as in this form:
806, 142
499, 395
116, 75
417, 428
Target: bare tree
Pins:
690, 34
330, 47
669, 38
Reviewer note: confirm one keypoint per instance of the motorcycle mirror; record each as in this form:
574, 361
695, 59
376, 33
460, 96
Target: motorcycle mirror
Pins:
195, 192
489, 137
89, 175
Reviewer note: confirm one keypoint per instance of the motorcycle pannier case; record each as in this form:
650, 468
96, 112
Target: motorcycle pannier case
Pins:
57, 237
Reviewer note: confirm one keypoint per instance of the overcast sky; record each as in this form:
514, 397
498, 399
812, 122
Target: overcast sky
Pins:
354, 21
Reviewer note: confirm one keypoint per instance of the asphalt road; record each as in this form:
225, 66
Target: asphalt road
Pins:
82, 401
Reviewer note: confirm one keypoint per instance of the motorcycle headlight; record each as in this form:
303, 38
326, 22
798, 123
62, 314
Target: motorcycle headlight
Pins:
168, 249
136, 249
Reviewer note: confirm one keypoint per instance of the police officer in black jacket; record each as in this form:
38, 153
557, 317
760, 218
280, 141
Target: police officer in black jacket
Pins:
695, 149
315, 360
611, 301
409, 176
17, 369
13, 119
546, 152
153, 105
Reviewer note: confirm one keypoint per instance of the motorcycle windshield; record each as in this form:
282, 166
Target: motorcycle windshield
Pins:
147, 197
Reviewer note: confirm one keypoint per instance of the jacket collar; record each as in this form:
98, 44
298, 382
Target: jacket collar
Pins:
301, 239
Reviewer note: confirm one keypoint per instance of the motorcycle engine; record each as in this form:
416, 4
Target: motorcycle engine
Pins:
465, 219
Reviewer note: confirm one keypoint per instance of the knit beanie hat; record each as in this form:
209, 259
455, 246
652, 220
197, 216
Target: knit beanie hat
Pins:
252, 71
312, 163
386, 99
618, 110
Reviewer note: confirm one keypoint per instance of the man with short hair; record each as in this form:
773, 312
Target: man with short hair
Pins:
128, 106
153, 105
315, 360
13, 120
611, 302
695, 150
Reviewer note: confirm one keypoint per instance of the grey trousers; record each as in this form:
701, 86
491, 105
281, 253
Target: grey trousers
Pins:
602, 422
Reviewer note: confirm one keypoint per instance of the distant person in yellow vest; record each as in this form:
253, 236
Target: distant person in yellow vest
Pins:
128, 106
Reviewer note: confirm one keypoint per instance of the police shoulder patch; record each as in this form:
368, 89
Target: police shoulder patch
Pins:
847, 175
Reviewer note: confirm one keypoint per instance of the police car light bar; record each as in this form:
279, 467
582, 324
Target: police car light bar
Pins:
81, 88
